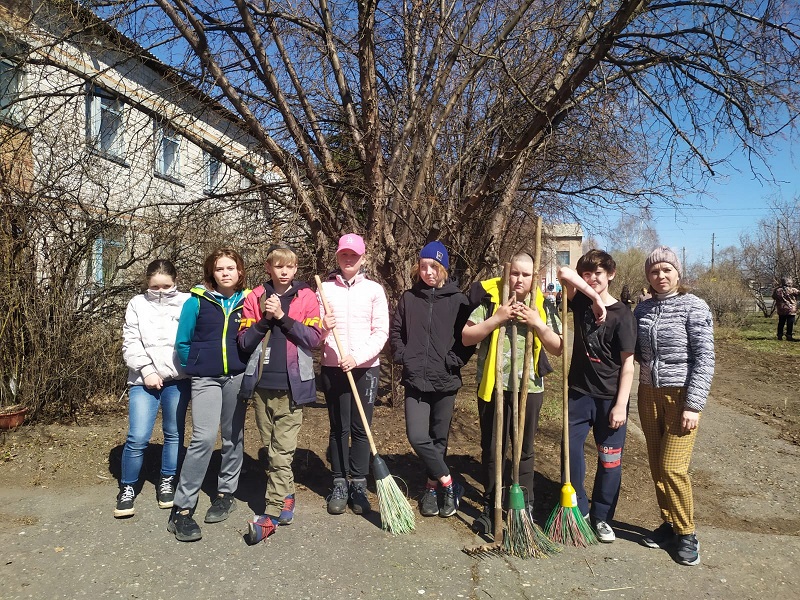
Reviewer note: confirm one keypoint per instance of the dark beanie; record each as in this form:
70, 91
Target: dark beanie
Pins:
663, 254
437, 252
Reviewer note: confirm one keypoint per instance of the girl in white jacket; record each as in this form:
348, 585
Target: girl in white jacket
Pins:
360, 314
155, 378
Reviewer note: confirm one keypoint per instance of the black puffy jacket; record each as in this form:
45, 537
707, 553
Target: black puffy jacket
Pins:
426, 337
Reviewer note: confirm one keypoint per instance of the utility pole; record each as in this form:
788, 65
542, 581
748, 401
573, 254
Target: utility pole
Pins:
683, 258
712, 251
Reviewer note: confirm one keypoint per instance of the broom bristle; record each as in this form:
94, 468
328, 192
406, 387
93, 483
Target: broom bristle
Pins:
567, 526
397, 516
524, 538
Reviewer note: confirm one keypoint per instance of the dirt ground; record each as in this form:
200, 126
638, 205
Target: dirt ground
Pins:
745, 470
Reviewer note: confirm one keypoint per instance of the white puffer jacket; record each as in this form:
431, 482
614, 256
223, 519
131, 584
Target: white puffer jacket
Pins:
675, 346
148, 336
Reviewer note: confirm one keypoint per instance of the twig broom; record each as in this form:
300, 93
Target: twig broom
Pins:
566, 524
496, 547
397, 515
524, 538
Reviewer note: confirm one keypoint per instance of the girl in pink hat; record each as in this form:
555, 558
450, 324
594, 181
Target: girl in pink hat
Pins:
360, 314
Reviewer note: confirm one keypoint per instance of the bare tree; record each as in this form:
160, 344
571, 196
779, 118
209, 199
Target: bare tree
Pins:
770, 251
414, 120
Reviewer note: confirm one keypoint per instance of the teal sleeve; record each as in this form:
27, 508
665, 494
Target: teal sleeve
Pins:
186, 324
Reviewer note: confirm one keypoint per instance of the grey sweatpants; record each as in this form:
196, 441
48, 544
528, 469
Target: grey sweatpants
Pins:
215, 406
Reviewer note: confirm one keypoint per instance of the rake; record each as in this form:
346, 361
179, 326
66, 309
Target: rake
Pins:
496, 547
524, 538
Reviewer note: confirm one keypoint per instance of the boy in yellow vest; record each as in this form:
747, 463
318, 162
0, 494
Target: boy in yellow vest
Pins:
482, 327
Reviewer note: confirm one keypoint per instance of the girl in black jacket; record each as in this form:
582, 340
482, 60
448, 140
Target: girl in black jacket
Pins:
426, 339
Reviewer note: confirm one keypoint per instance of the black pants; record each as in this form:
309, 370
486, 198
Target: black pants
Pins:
788, 320
347, 459
428, 417
486, 412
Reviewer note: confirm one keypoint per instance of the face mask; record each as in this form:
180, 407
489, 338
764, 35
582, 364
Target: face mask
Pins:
160, 294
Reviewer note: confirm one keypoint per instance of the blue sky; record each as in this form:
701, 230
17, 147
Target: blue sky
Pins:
735, 202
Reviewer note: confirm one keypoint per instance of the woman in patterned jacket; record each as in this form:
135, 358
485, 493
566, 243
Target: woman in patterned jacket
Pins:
675, 351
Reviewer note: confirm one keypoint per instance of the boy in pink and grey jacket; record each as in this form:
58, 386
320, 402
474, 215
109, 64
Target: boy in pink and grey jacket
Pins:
360, 314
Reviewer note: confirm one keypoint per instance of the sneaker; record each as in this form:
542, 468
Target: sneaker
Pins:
604, 532
183, 525
125, 500
287, 512
221, 508
484, 523
429, 504
337, 503
358, 501
451, 499
688, 550
165, 493
663, 537
259, 529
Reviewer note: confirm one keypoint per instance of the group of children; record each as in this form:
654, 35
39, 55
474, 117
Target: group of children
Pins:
236, 344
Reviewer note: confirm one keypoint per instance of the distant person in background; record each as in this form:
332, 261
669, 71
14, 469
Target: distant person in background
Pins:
785, 298
550, 296
625, 296
644, 295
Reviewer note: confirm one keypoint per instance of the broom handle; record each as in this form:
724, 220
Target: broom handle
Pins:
348, 373
516, 416
498, 414
526, 367
565, 385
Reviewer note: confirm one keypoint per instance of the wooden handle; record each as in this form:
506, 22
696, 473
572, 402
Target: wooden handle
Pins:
498, 414
526, 367
565, 386
348, 373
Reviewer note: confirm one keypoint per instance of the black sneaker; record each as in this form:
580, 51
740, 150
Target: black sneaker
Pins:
484, 523
125, 500
221, 508
337, 503
663, 537
358, 501
165, 494
451, 498
429, 504
183, 525
687, 551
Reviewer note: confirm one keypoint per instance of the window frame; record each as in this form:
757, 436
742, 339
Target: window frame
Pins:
166, 137
12, 111
100, 103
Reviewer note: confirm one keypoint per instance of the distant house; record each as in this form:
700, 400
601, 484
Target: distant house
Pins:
108, 142
561, 245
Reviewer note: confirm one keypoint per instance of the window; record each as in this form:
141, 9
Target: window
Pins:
248, 176
562, 257
168, 152
104, 122
10, 87
106, 250
214, 174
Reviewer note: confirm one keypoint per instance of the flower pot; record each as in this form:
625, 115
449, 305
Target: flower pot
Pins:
12, 417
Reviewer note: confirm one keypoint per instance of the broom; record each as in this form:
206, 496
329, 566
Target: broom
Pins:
566, 524
524, 538
496, 547
397, 515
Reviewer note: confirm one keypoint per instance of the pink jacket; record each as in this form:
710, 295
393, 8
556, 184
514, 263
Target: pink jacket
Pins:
362, 320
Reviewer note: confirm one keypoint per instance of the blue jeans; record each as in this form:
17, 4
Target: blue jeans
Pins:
142, 410
585, 413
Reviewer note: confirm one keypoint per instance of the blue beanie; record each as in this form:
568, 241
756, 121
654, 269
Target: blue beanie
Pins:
437, 252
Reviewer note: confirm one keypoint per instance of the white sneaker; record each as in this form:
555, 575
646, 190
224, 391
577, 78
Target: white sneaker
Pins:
604, 532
